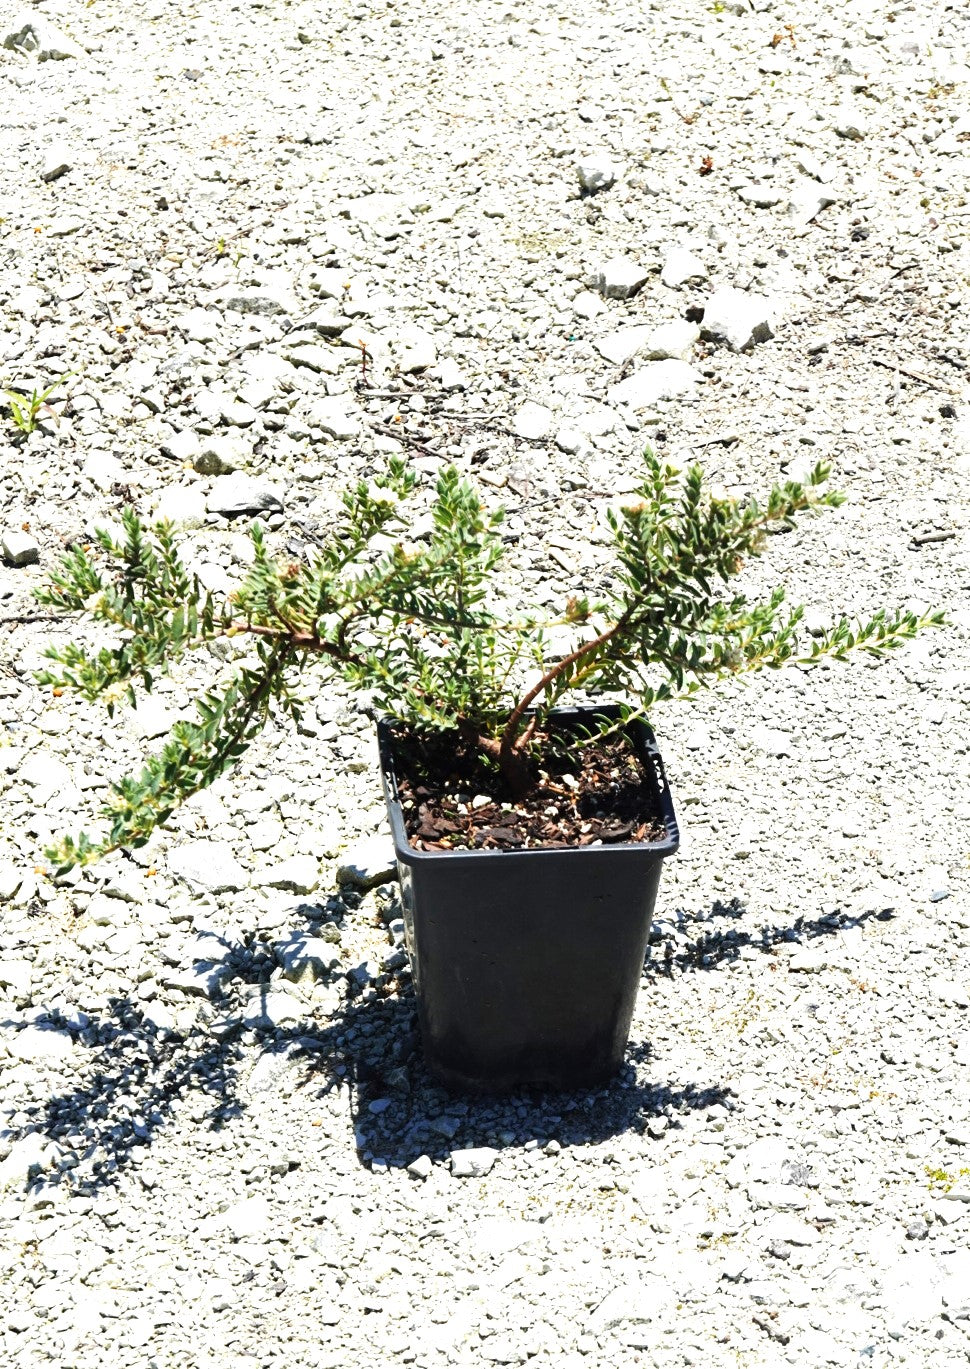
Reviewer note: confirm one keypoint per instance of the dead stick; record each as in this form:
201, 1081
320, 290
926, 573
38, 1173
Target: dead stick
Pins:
925, 537
913, 375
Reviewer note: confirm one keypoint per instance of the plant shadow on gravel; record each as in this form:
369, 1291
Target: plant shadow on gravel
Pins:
701, 941
137, 1074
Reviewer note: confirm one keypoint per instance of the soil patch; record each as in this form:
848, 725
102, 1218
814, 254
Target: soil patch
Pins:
453, 799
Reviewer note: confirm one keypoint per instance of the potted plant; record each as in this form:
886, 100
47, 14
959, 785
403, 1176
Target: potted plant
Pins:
529, 836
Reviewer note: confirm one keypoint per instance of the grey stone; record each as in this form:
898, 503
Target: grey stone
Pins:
738, 318
19, 549
256, 302
368, 862
31, 33
596, 173
473, 1163
274, 295
620, 278
57, 162
306, 957
236, 494
220, 454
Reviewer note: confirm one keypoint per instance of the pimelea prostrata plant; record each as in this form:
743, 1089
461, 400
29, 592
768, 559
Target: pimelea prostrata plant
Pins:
412, 623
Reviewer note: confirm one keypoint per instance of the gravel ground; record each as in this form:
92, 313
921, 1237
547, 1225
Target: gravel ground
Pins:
219, 1145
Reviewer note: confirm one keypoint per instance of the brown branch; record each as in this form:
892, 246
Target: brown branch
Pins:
510, 743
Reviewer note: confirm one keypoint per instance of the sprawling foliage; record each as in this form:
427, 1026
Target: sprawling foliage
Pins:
413, 623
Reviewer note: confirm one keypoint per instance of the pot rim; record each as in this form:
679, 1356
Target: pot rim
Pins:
644, 742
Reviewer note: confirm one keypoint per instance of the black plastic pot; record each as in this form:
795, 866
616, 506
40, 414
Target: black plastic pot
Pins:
526, 963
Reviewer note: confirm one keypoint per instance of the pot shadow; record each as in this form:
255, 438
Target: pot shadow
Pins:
139, 1078
134, 1076
400, 1112
692, 941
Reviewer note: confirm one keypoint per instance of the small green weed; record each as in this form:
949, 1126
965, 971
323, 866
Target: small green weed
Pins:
24, 410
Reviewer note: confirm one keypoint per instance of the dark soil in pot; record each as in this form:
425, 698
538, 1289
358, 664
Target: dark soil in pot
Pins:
452, 799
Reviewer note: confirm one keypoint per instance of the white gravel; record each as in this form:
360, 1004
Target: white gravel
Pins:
218, 1144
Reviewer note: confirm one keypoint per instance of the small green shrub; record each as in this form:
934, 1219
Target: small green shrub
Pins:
413, 625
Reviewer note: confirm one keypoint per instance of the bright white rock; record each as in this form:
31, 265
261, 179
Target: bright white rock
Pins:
673, 341
620, 278
232, 495
680, 266
659, 380
533, 421
738, 318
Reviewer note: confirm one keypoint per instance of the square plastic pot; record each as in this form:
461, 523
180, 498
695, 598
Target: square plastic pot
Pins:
526, 964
